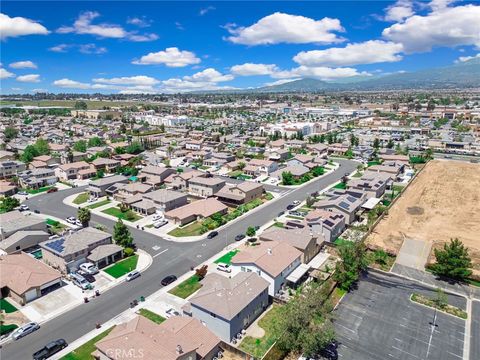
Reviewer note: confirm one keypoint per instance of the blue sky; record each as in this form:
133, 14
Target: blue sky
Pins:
158, 46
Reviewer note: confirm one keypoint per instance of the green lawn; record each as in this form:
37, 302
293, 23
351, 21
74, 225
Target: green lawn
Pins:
115, 211
340, 185
187, 288
6, 306
294, 217
227, 258
235, 173
340, 241
81, 198
473, 282
259, 346
122, 267
150, 315
56, 226
84, 352
375, 162
192, 229
5, 329
39, 190
98, 204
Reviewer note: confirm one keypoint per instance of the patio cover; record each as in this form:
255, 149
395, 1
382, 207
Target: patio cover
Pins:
298, 273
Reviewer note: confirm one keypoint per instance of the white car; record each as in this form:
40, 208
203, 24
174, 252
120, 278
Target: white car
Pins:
224, 267
24, 330
78, 223
157, 217
24, 207
133, 275
89, 268
71, 220
172, 312
160, 224
296, 202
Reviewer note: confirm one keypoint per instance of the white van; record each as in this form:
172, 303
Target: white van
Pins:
80, 281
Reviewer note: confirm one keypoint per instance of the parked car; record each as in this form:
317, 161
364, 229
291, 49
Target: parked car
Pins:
132, 275
36, 211
50, 349
212, 234
23, 207
52, 190
239, 237
90, 278
71, 220
22, 193
224, 267
89, 268
280, 213
78, 223
80, 281
157, 217
24, 330
172, 312
296, 202
160, 224
167, 280
90, 200
290, 207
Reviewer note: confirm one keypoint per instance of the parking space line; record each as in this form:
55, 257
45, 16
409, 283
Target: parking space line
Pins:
160, 253
461, 357
405, 352
346, 328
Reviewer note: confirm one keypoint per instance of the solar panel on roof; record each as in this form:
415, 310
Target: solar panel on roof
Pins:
328, 222
56, 245
351, 199
343, 204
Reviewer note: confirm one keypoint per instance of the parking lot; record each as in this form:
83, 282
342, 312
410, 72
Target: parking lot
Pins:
378, 321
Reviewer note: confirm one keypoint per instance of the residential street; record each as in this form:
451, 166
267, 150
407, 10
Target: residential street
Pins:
169, 258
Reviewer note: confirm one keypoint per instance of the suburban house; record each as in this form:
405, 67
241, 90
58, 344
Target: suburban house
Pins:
106, 165
7, 188
177, 338
240, 193
301, 238
272, 260
25, 279
346, 204
205, 186
154, 175
22, 240
219, 159
229, 305
329, 223
69, 251
193, 144
278, 155
75, 170
297, 171
11, 168
181, 180
125, 191
37, 178
258, 167
373, 184
200, 209
45, 161
166, 200
97, 188
321, 150
13, 221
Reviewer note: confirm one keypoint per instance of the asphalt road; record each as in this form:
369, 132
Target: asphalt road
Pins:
173, 258
378, 321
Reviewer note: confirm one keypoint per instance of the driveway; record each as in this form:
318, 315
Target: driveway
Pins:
414, 253
378, 321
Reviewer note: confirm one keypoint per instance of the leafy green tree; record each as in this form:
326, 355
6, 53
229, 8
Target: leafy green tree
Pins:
318, 171
241, 165
376, 143
121, 234
8, 204
42, 146
390, 144
251, 231
287, 178
81, 105
134, 148
10, 133
353, 262
84, 215
453, 261
29, 153
95, 141
80, 146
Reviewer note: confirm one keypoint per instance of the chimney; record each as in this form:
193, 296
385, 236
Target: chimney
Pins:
269, 251
179, 349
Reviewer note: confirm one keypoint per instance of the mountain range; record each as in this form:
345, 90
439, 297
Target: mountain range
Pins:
460, 75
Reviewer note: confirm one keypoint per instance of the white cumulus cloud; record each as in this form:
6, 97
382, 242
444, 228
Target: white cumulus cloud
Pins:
369, 52
467, 58
319, 72
402, 9
285, 28
71, 84
251, 69
171, 57
280, 82
23, 65
32, 78
19, 26
447, 27
209, 75
83, 25
5, 74
129, 80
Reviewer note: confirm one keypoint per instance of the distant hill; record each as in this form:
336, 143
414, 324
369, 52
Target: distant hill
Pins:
465, 74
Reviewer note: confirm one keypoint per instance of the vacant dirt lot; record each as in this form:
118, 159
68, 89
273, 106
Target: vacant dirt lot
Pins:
443, 202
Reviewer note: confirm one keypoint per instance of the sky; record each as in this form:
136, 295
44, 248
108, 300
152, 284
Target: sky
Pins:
178, 46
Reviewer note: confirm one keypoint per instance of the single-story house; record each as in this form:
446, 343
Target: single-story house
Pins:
25, 279
14, 221
200, 209
97, 188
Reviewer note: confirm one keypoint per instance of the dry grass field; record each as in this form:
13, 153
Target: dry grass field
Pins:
443, 202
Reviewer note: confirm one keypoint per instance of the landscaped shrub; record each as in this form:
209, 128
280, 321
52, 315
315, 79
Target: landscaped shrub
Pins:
128, 252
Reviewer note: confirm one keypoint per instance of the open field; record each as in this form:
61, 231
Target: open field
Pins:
92, 104
443, 202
